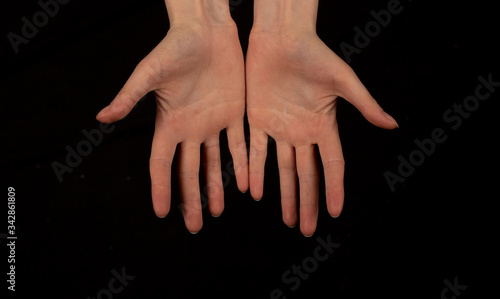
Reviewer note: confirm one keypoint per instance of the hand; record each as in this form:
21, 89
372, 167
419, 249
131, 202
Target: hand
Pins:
293, 83
197, 75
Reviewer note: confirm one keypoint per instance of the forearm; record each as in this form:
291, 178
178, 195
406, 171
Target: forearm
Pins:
212, 12
279, 15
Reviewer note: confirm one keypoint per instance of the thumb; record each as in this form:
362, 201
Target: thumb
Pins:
357, 94
137, 86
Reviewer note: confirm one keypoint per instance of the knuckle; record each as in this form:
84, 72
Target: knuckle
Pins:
334, 163
162, 162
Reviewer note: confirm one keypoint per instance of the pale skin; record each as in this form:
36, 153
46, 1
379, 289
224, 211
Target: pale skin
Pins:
197, 74
293, 82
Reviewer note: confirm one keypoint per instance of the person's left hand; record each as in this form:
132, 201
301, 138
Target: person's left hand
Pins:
293, 84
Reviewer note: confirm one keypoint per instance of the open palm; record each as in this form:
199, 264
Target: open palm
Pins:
197, 75
293, 83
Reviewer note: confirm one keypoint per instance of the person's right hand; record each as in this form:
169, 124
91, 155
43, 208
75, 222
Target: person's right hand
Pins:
197, 75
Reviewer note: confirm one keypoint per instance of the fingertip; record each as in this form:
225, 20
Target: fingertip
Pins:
242, 179
161, 203
102, 116
257, 162
238, 149
256, 191
256, 195
391, 119
369, 107
215, 199
308, 223
161, 208
256, 182
308, 232
289, 213
161, 215
335, 202
105, 120
380, 118
291, 223
335, 211
243, 187
112, 114
193, 218
161, 211
216, 210
194, 229
103, 110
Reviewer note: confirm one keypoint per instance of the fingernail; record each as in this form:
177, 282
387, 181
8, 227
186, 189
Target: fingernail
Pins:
308, 236
193, 233
391, 119
335, 216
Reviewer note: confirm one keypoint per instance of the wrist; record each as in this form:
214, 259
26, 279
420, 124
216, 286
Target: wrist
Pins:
276, 16
204, 12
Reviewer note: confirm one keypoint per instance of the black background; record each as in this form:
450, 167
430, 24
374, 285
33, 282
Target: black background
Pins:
439, 224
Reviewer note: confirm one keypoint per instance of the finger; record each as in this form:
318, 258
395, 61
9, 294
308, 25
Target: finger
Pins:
307, 171
189, 165
288, 183
160, 168
355, 93
333, 164
213, 177
238, 148
258, 154
137, 86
